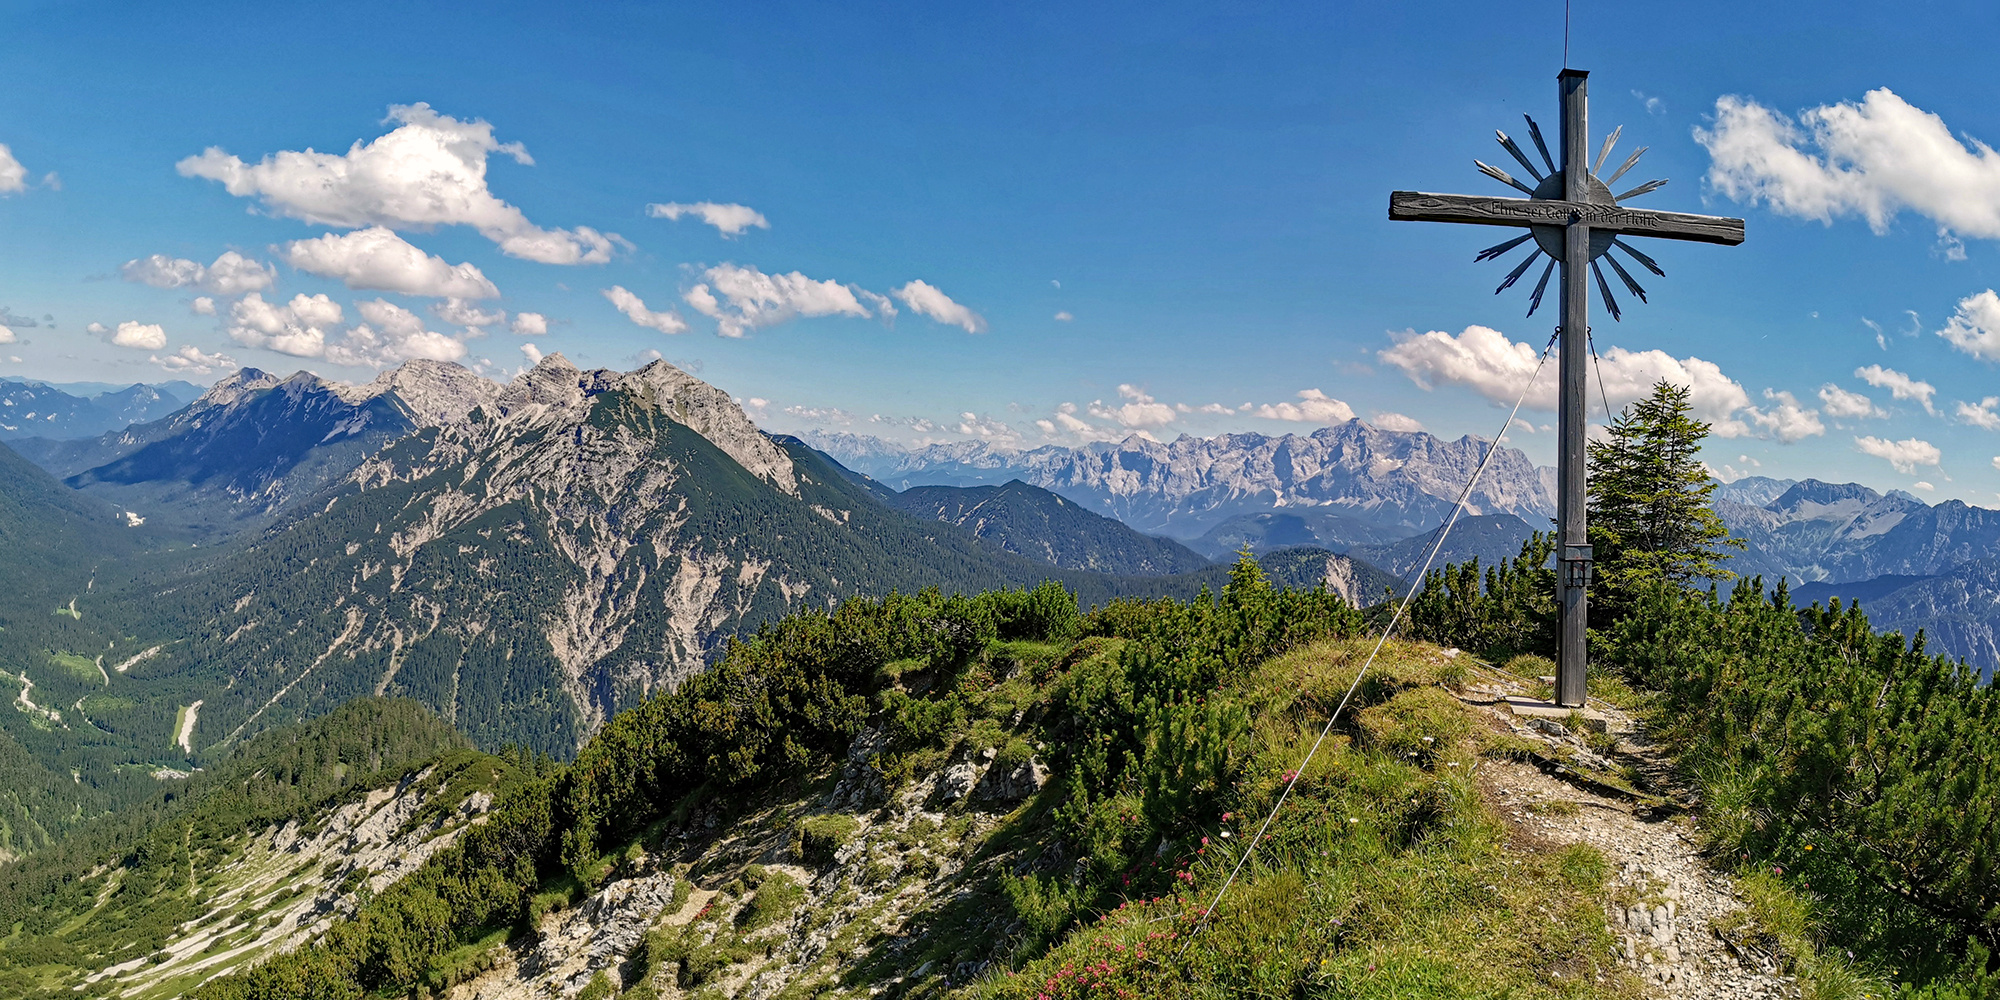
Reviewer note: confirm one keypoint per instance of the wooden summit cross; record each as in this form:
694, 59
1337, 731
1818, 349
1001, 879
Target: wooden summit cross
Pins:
1573, 218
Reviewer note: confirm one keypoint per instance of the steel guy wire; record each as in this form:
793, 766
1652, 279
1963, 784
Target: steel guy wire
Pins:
1437, 545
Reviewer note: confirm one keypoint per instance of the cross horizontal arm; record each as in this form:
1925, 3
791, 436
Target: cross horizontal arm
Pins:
1417, 206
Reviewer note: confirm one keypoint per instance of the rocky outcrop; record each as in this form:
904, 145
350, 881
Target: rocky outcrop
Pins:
874, 860
433, 393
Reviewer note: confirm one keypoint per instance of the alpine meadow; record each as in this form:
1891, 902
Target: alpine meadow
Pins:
677, 502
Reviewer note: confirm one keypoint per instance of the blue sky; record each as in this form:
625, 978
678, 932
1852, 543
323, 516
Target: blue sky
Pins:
1199, 189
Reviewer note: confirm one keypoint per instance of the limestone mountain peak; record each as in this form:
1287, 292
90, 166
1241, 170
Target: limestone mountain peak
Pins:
235, 386
435, 392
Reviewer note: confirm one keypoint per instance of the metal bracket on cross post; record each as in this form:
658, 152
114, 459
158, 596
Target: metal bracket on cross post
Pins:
1573, 576
1572, 217
1576, 562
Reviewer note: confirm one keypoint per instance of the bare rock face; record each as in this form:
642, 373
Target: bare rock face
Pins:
862, 901
715, 416
434, 392
577, 944
236, 386
860, 785
1011, 784
555, 389
956, 781
616, 487
1343, 579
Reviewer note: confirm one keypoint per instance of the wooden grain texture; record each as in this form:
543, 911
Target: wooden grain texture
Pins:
1419, 206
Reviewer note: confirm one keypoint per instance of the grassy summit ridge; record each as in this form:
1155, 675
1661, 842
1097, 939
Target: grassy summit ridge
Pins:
1165, 728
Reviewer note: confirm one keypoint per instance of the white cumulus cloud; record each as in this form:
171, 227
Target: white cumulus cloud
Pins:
1399, 422
1986, 415
532, 353
1843, 405
1787, 421
883, 306
191, 360
7, 336
1065, 424
231, 274
741, 299
389, 334
730, 220
376, 258
429, 171
1138, 410
459, 312
926, 300
1872, 159
1975, 327
202, 306
1904, 455
13, 176
530, 324
821, 414
1900, 386
144, 336
1486, 361
989, 430
299, 327
1314, 407
635, 310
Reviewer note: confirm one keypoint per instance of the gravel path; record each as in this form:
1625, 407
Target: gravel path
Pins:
1665, 899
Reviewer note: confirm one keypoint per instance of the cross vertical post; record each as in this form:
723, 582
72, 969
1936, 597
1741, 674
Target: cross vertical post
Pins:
1571, 217
1573, 537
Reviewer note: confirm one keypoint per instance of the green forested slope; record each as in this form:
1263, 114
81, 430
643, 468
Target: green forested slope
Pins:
56, 549
527, 621
1033, 522
118, 887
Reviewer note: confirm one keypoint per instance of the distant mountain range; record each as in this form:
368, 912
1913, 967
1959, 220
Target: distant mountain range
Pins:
1489, 538
527, 558
1813, 531
1395, 483
1269, 530
1377, 496
29, 408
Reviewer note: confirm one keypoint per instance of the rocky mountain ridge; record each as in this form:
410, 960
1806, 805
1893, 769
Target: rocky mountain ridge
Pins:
253, 445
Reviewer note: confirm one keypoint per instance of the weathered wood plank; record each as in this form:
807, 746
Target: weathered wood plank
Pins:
1480, 210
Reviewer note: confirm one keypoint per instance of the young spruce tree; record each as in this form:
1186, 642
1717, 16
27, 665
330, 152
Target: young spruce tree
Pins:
1649, 492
